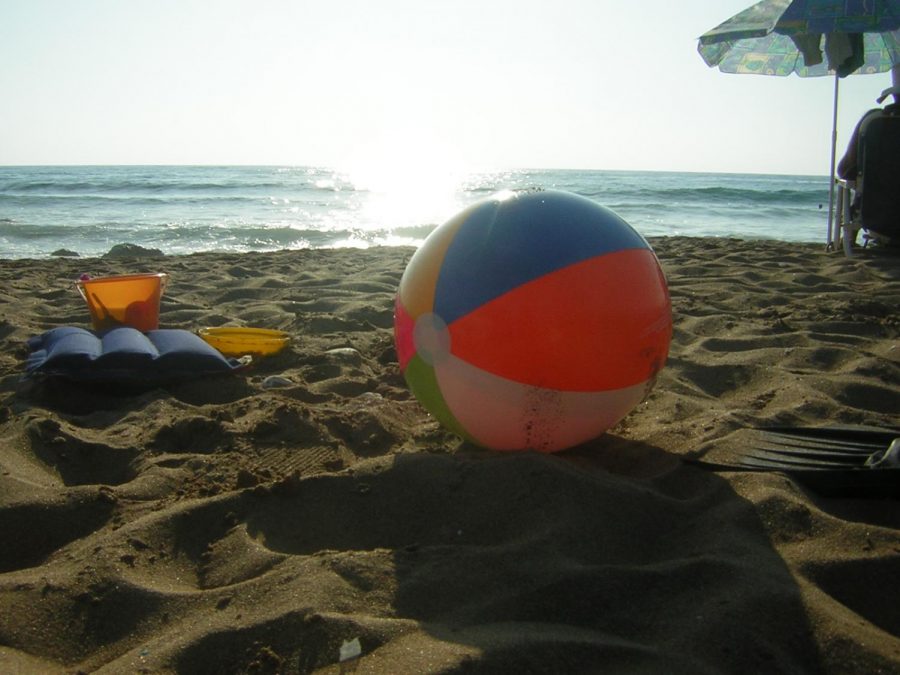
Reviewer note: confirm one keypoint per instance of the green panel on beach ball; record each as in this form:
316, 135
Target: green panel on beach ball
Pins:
422, 381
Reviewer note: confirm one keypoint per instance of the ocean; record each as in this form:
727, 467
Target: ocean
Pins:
186, 209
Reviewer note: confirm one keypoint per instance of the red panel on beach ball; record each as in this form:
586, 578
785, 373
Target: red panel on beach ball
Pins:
587, 330
532, 320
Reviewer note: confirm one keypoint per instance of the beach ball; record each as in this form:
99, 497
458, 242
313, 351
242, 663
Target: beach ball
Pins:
532, 320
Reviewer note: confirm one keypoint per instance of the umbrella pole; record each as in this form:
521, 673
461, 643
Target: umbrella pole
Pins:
831, 242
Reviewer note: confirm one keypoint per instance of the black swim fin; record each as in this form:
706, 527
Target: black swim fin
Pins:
833, 461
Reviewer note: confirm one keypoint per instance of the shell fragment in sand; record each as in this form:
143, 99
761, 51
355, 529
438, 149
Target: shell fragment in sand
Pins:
350, 649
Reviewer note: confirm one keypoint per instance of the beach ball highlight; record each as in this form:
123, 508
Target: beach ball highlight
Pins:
532, 320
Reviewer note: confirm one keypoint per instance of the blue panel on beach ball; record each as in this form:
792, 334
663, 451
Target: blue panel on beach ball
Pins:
516, 239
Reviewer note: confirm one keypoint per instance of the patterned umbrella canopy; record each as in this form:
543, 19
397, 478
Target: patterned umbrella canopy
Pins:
780, 37
810, 38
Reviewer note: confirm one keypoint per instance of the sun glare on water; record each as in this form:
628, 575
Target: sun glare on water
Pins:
407, 187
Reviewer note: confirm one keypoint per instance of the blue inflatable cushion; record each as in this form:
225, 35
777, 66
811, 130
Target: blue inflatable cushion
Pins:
124, 356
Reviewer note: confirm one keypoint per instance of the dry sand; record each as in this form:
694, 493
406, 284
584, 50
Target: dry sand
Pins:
221, 527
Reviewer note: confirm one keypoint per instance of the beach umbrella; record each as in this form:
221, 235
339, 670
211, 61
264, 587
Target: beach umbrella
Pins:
811, 38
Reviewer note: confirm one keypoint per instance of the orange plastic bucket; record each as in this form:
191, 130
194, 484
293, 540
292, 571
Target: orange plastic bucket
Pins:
129, 300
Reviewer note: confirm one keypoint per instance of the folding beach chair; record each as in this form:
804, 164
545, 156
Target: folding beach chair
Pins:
871, 203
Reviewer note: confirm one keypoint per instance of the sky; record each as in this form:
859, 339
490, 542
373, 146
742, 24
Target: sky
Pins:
377, 85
